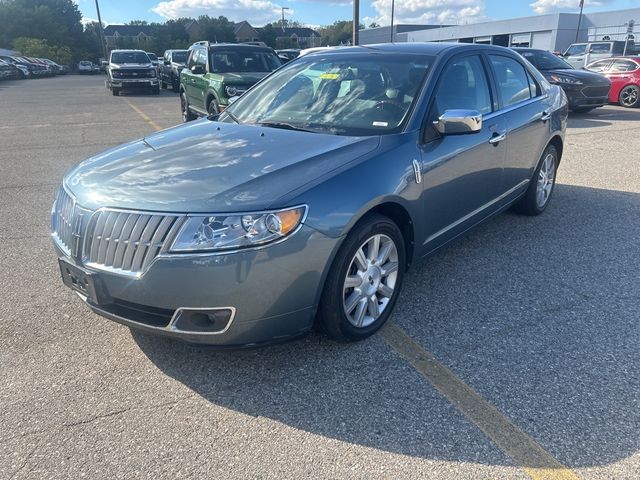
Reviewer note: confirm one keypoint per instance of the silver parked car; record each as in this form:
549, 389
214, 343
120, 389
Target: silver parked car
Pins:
306, 200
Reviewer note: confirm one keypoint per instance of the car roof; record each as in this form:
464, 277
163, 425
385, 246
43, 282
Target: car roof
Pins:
426, 48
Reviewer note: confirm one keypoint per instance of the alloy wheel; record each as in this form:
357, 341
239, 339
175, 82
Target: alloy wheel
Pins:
629, 96
546, 178
370, 280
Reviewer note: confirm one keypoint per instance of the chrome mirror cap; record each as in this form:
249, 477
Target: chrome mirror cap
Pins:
455, 122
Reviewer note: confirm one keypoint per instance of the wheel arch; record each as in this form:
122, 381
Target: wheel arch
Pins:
557, 142
211, 95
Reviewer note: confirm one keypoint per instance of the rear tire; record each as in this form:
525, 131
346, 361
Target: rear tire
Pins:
175, 83
156, 91
364, 281
541, 186
630, 96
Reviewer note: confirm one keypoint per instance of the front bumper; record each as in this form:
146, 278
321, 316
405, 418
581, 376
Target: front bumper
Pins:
272, 291
580, 96
126, 83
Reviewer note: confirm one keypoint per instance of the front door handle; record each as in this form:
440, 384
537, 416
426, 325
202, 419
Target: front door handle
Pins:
497, 138
545, 116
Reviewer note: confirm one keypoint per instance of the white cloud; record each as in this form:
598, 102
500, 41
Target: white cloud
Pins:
256, 12
433, 12
550, 6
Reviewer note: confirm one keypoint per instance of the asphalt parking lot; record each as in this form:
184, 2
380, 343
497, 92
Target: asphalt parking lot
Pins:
514, 353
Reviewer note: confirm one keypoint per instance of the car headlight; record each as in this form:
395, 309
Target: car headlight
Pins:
566, 80
231, 232
231, 91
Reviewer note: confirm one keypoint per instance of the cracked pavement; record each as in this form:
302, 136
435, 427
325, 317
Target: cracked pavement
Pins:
538, 315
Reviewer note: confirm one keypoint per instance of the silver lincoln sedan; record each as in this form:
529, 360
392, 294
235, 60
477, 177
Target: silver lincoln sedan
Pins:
304, 203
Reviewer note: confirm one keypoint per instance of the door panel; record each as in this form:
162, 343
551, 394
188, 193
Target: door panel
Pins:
462, 173
527, 123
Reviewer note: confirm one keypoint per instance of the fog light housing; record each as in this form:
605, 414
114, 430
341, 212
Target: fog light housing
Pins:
203, 321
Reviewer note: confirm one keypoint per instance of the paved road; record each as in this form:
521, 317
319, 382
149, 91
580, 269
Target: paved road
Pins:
528, 327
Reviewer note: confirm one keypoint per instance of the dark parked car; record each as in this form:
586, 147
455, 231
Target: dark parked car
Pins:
172, 64
585, 90
307, 199
131, 70
217, 72
9, 71
624, 74
34, 70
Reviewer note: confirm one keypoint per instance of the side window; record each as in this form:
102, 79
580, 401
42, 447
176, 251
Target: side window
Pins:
600, 48
579, 49
192, 58
534, 88
463, 85
511, 80
621, 66
601, 66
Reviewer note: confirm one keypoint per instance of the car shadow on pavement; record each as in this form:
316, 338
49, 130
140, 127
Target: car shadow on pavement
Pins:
538, 314
602, 117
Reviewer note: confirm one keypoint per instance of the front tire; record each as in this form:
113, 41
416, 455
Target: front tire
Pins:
364, 281
538, 195
115, 92
212, 108
630, 96
187, 116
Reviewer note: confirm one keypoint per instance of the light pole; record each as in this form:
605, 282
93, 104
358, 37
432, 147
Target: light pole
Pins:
579, 20
104, 44
283, 20
393, 4
356, 21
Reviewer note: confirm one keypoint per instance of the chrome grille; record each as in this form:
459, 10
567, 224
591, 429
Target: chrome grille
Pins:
126, 242
62, 220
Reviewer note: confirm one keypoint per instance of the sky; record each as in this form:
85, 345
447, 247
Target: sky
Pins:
323, 12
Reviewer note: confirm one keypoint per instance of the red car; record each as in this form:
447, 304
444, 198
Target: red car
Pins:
624, 73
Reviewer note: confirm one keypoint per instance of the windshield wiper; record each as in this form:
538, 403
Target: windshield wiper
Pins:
284, 126
232, 117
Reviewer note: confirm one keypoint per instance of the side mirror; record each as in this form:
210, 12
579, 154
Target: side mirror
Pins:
197, 70
457, 122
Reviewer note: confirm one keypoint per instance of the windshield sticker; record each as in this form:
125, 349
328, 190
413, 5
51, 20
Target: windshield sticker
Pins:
380, 124
330, 76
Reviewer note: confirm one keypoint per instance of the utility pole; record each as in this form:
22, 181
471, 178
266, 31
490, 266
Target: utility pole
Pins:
356, 22
393, 4
102, 41
283, 20
579, 20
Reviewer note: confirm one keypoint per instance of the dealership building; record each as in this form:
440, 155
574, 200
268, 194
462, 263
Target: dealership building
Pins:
553, 32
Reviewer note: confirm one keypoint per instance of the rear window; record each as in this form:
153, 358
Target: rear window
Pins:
243, 60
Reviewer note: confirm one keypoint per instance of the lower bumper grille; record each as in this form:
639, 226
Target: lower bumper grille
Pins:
600, 91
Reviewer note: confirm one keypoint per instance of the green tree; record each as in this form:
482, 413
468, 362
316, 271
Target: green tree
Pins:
339, 32
35, 47
214, 30
268, 35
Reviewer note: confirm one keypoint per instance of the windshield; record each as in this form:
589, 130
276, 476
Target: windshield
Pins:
129, 57
180, 57
334, 93
243, 60
545, 60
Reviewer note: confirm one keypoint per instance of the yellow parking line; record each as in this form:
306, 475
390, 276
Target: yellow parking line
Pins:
144, 116
517, 445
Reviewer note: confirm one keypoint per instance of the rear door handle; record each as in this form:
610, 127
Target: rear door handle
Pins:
545, 116
497, 138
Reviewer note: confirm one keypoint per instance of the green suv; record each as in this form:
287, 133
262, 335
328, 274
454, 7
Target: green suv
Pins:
216, 72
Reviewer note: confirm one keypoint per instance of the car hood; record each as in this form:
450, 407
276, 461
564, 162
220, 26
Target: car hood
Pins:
207, 166
584, 76
243, 78
130, 65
